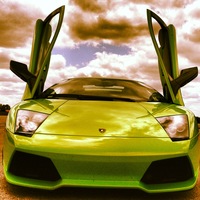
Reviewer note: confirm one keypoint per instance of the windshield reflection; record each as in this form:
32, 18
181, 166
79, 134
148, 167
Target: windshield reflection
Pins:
104, 87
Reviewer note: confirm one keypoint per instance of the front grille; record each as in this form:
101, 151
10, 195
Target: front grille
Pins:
33, 166
168, 171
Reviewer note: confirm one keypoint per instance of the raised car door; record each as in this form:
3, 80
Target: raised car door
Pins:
42, 46
167, 55
168, 61
43, 41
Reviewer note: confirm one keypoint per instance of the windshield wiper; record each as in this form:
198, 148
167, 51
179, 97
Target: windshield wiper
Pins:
88, 97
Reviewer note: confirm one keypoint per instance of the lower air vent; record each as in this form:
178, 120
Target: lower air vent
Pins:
33, 166
168, 171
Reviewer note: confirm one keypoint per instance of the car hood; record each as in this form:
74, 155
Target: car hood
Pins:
104, 118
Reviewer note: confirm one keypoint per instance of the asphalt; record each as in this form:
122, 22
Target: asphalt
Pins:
11, 192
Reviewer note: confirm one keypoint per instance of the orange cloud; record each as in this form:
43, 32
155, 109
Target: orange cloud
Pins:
89, 6
118, 31
16, 24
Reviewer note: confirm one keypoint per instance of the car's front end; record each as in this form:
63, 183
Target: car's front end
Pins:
101, 144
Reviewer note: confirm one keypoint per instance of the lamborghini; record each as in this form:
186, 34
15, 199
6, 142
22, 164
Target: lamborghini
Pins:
98, 131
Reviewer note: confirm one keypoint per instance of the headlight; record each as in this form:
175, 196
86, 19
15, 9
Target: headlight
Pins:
175, 126
28, 121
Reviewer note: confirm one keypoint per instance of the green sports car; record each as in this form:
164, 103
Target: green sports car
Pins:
100, 132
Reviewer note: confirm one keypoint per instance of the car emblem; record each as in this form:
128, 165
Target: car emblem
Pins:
102, 130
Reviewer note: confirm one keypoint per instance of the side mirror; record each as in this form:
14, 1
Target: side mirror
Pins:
185, 77
21, 70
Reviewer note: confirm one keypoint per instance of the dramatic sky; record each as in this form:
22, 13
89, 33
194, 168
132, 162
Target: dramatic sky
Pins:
107, 38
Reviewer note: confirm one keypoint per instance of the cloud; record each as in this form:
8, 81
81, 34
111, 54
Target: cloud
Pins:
90, 6
17, 23
118, 31
11, 87
57, 70
4, 59
97, 21
108, 65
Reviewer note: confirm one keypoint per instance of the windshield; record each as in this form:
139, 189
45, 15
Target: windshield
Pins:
103, 89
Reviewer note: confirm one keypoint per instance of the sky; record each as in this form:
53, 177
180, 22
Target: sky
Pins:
108, 38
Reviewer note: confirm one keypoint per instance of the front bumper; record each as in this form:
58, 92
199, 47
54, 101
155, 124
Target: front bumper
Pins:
40, 162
